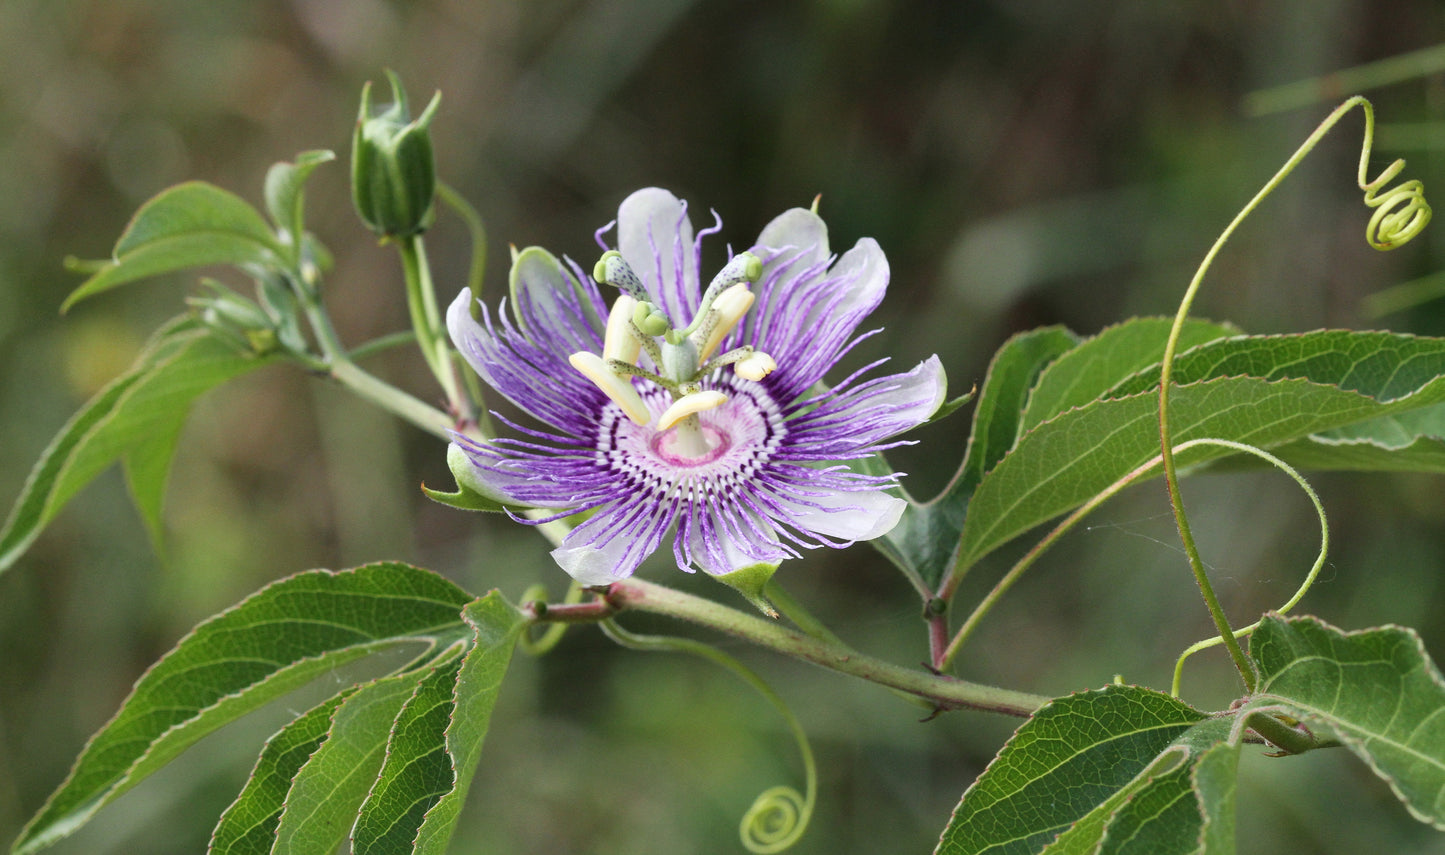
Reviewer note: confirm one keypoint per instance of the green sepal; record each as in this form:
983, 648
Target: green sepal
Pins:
750, 582
471, 493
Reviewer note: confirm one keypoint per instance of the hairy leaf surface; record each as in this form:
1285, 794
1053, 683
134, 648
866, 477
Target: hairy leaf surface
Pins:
1377, 689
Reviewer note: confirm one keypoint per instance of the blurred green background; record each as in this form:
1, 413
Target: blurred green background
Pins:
1022, 163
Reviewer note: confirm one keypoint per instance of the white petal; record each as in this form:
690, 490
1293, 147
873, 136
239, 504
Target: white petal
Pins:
734, 558
594, 565
800, 229
866, 267
849, 516
653, 233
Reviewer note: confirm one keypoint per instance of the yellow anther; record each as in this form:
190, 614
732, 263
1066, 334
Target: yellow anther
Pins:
619, 389
729, 308
689, 405
619, 343
755, 366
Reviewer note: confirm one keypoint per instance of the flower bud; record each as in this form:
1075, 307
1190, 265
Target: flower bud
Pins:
393, 175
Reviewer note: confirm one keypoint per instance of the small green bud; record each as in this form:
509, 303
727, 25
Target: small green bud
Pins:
236, 318
393, 174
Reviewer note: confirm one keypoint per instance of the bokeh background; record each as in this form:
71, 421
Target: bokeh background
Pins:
1022, 162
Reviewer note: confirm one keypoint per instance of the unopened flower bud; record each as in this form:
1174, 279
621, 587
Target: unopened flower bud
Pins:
393, 174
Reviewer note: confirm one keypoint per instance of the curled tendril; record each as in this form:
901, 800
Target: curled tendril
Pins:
776, 820
542, 644
1400, 212
779, 815
1310, 577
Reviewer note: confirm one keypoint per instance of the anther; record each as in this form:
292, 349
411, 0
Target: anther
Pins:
729, 308
689, 405
619, 343
755, 366
619, 389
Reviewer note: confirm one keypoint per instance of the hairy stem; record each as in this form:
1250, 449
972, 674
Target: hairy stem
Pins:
942, 691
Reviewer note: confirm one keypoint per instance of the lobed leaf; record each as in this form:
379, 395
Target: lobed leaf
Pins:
1377, 689
416, 772
1066, 461
189, 225
330, 786
136, 417
1073, 756
248, 827
274, 641
497, 626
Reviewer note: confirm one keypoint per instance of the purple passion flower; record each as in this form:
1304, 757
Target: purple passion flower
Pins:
696, 415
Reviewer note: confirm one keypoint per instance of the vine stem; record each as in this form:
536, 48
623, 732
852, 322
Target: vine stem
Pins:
942, 691
426, 320
1166, 375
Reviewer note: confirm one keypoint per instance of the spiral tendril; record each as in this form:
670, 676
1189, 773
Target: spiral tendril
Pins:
777, 819
1400, 212
779, 815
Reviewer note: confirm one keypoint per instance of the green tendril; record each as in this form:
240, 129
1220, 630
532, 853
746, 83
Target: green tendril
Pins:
1310, 577
542, 644
779, 815
1400, 214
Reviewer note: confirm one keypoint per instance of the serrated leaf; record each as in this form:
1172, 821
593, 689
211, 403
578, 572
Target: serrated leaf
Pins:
1377, 689
1072, 756
497, 626
190, 225
1067, 460
285, 196
328, 789
417, 771
1383, 365
1216, 777
248, 827
923, 541
1100, 363
274, 641
136, 416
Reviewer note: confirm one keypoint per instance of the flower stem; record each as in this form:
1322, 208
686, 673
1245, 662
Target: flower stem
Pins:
942, 691
426, 320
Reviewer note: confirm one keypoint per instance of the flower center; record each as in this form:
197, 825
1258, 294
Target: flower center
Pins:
679, 358
673, 446
741, 436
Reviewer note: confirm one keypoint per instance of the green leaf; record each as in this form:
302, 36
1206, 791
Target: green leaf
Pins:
274, 641
136, 417
924, 539
1408, 442
1376, 689
1216, 776
417, 770
190, 225
1069, 459
1100, 363
328, 789
248, 827
1072, 756
1383, 365
285, 196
